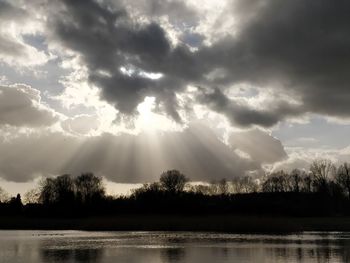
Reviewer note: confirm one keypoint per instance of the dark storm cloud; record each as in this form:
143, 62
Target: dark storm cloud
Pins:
108, 39
294, 45
242, 115
125, 158
178, 12
301, 45
20, 106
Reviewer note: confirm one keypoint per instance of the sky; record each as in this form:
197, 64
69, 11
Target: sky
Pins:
129, 89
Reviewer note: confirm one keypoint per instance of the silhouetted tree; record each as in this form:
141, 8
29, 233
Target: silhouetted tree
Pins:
154, 187
57, 190
147, 188
89, 187
15, 204
321, 172
17, 201
65, 189
171, 194
276, 182
335, 190
306, 182
48, 193
343, 178
173, 181
295, 180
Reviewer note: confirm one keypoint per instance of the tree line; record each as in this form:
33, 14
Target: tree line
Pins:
322, 177
324, 188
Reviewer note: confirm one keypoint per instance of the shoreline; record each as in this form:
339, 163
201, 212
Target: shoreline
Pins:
209, 223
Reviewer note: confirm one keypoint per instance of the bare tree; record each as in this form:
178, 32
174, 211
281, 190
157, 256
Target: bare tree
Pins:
173, 181
57, 190
321, 172
89, 187
295, 180
146, 188
306, 182
48, 193
343, 177
276, 182
64, 188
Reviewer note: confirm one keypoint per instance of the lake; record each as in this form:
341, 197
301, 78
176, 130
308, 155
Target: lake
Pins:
154, 247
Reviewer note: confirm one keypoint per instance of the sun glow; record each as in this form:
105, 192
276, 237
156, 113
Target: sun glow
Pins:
149, 121
132, 71
146, 107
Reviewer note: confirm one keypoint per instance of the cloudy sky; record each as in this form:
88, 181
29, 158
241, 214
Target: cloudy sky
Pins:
128, 89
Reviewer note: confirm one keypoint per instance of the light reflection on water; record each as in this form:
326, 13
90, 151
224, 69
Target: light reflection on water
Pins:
79, 246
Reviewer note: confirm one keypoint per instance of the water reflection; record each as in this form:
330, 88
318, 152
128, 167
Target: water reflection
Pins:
71, 255
172, 255
56, 255
168, 247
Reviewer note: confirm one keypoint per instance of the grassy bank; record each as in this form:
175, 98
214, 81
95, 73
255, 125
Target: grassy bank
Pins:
220, 223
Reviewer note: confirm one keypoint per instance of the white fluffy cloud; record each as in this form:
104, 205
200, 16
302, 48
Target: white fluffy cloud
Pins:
81, 124
302, 157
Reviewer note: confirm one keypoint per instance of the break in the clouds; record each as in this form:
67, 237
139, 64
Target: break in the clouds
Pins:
78, 77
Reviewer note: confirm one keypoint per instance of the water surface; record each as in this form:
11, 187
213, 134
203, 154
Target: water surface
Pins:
153, 247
